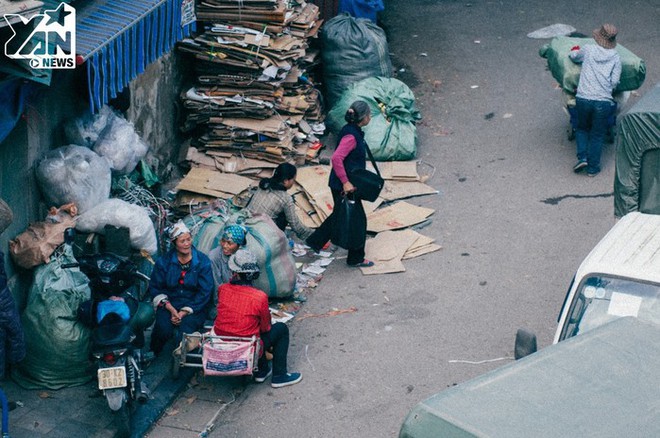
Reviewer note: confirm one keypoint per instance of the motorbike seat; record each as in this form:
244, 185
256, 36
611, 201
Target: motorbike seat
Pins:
112, 334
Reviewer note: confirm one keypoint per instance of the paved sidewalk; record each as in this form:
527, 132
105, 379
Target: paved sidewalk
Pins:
82, 411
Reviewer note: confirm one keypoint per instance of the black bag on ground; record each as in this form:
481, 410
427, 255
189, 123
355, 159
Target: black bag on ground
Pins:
367, 183
349, 227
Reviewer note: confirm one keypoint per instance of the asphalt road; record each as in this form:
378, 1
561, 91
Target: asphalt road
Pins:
513, 219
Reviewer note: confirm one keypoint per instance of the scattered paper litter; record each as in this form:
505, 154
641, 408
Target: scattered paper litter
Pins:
277, 315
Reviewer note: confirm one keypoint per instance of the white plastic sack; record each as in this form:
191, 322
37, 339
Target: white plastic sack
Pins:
85, 130
120, 213
74, 174
121, 145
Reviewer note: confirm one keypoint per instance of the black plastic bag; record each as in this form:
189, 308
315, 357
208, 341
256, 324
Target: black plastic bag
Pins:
367, 183
349, 227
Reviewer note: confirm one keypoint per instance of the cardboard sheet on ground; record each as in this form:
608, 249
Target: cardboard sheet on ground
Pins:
213, 183
398, 215
423, 245
195, 181
393, 190
398, 170
314, 180
387, 250
228, 182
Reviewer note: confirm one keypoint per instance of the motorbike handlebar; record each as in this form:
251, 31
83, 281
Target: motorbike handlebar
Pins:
142, 276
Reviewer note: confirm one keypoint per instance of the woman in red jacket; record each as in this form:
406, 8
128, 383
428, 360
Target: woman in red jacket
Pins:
243, 311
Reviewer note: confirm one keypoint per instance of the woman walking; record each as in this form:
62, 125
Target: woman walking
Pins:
351, 154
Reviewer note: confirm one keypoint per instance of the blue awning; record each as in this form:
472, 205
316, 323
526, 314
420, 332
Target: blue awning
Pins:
117, 39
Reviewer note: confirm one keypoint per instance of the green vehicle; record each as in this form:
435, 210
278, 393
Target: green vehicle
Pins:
602, 383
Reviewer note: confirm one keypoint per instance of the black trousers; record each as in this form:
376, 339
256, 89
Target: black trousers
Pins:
323, 233
277, 339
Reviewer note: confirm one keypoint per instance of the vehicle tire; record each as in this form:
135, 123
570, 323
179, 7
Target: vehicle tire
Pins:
123, 421
176, 366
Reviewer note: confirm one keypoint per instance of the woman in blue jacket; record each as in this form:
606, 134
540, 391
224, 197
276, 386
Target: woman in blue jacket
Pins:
181, 286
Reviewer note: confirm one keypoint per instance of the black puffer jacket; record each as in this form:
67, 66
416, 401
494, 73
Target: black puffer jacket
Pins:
12, 341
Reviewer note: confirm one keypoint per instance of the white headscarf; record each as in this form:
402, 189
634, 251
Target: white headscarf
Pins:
178, 229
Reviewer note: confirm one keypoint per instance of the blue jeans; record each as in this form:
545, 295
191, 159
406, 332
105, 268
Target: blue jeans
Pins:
591, 128
164, 329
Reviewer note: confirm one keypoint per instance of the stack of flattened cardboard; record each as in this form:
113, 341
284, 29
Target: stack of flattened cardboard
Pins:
252, 61
254, 98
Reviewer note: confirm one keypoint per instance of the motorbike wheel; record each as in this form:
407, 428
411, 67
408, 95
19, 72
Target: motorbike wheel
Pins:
123, 421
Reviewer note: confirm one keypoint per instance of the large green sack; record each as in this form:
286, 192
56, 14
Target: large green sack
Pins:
567, 73
391, 134
353, 49
206, 230
57, 343
264, 239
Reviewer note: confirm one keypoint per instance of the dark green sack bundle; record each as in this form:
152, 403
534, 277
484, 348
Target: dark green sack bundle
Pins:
57, 342
567, 73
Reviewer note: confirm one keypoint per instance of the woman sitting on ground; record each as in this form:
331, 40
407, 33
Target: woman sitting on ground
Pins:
272, 199
181, 286
233, 237
243, 311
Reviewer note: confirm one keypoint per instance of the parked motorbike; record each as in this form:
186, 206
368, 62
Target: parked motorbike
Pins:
118, 318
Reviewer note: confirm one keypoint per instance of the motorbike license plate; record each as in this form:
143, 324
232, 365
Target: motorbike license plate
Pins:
114, 377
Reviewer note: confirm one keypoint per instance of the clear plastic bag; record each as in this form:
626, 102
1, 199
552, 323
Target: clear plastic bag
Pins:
121, 145
120, 213
74, 174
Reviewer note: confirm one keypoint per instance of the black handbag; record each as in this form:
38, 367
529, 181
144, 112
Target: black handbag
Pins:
349, 226
367, 183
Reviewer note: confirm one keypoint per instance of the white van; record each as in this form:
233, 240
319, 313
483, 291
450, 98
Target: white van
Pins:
619, 277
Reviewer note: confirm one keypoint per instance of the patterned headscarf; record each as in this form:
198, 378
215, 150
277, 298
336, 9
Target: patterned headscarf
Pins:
234, 233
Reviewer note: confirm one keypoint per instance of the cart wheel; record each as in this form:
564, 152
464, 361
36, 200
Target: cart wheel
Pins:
571, 134
176, 366
609, 137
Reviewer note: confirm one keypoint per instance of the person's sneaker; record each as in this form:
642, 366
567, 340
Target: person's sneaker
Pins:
579, 166
592, 174
262, 374
285, 380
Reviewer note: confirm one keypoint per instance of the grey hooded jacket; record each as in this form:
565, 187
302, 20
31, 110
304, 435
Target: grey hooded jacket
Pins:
601, 71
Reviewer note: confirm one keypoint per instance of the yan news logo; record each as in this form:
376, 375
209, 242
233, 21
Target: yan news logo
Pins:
44, 47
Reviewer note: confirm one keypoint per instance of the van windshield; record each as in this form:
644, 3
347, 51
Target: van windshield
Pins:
601, 299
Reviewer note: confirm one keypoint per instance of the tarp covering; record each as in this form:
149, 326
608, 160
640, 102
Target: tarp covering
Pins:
637, 174
567, 73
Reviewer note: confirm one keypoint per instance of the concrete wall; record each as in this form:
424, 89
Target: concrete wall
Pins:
154, 103
155, 110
